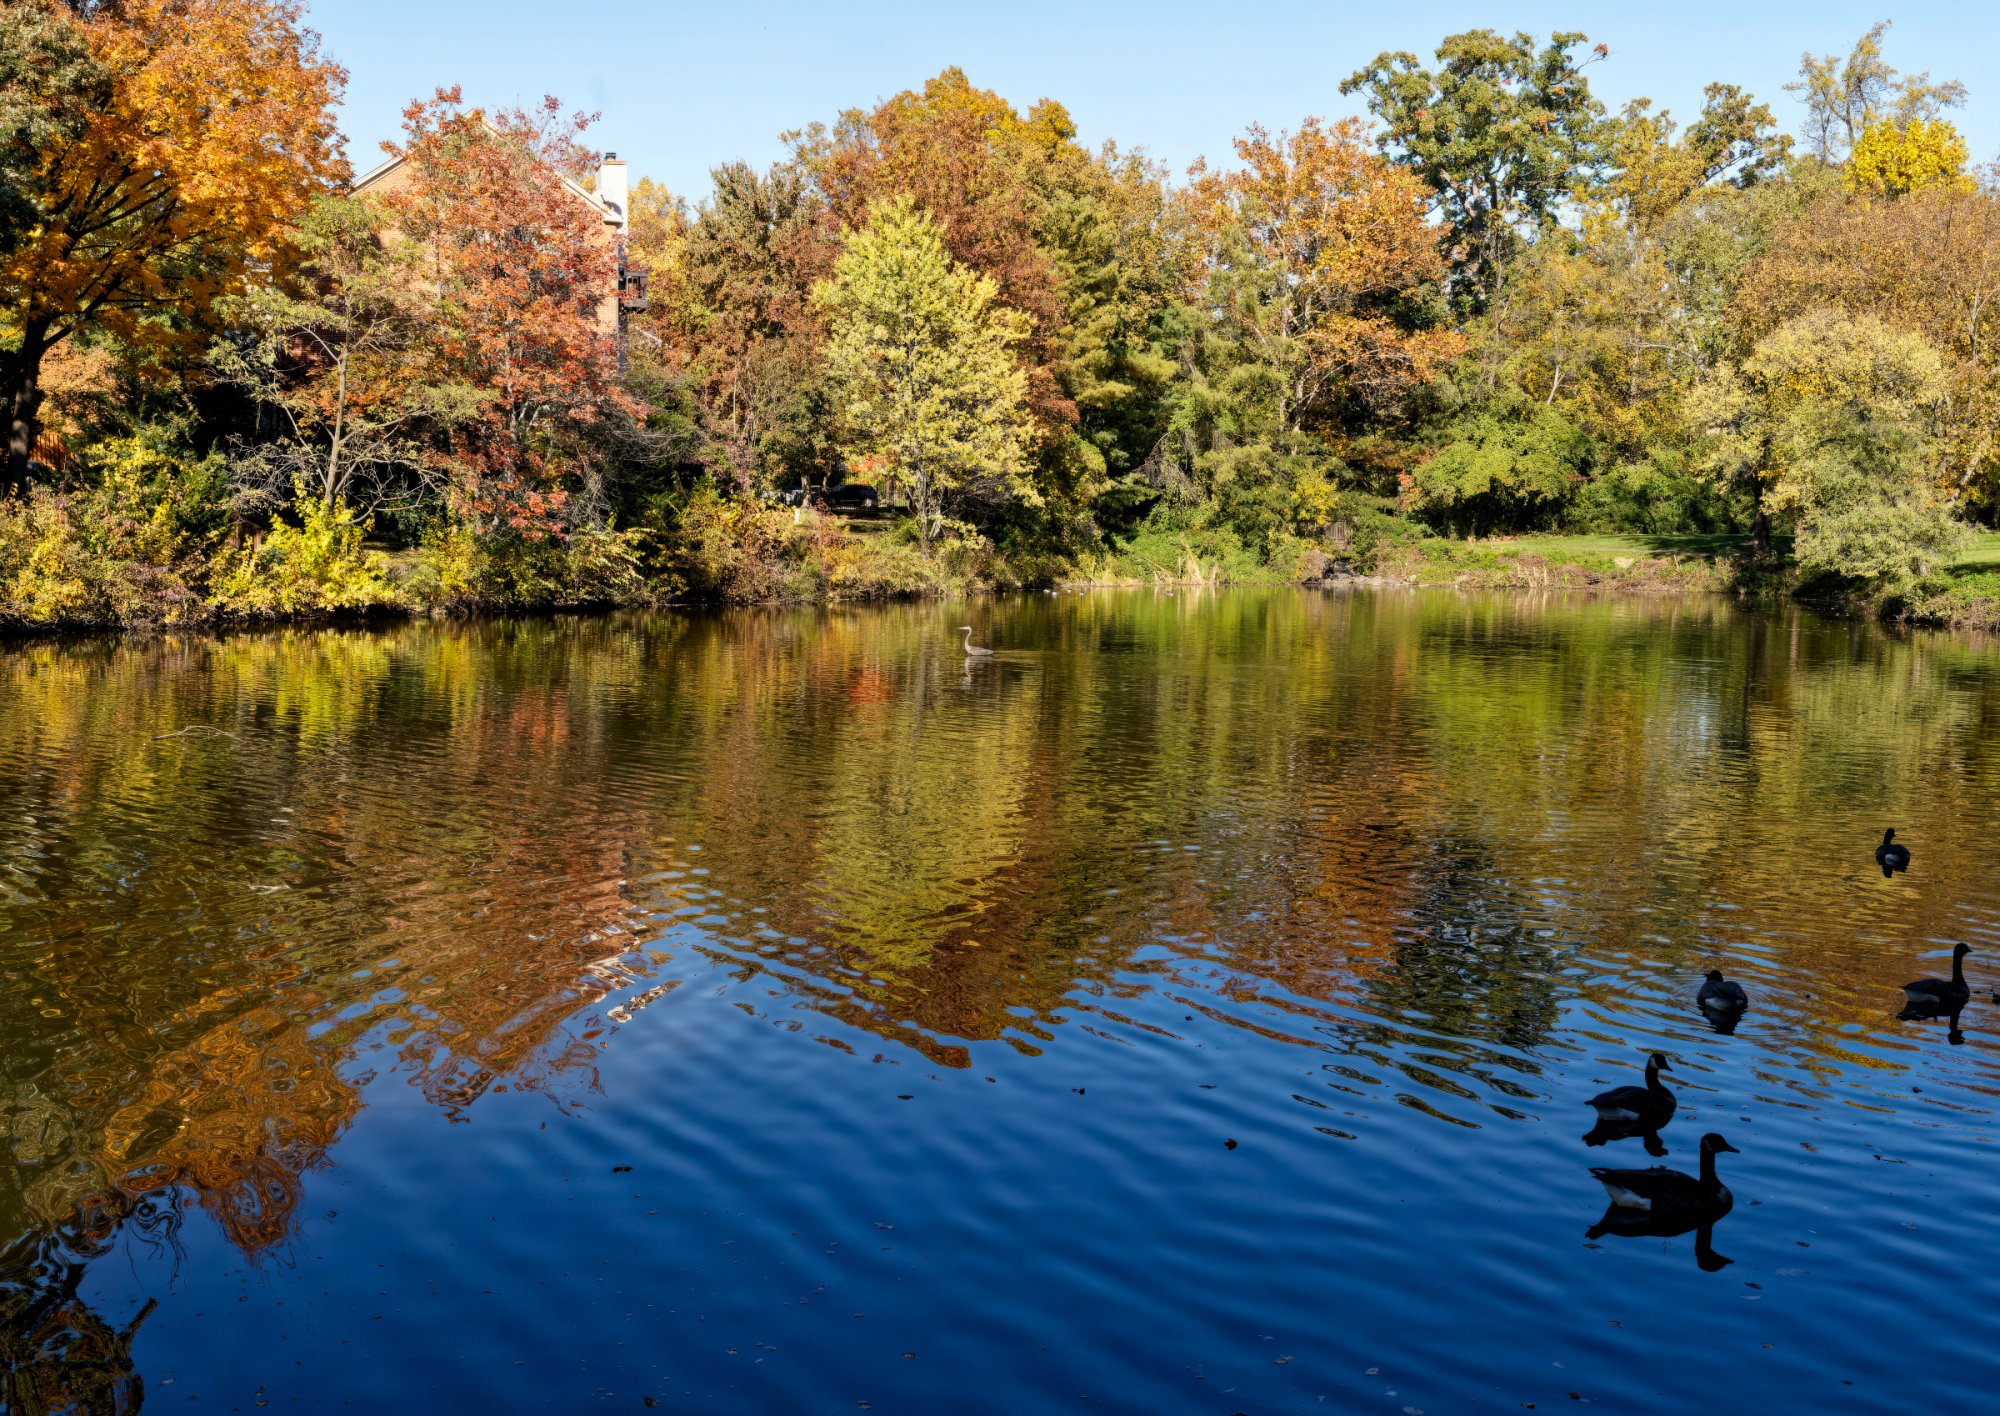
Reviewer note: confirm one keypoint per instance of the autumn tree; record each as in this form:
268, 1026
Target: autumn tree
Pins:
340, 356
957, 152
1844, 97
172, 141
518, 267
1314, 279
49, 85
1655, 165
921, 356
1340, 235
1502, 132
737, 308
1927, 263
1071, 238
1893, 158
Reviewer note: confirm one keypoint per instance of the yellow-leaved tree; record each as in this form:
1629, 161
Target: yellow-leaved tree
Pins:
1895, 158
176, 146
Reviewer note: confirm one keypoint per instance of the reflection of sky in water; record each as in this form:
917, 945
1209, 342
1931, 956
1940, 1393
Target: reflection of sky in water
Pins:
932, 993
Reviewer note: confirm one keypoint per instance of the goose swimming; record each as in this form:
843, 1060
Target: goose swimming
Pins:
1650, 1106
1890, 856
1665, 1193
1721, 995
1944, 995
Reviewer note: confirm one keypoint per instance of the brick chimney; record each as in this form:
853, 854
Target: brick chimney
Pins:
612, 189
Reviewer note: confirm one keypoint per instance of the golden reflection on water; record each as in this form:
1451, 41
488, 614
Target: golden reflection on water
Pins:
1407, 831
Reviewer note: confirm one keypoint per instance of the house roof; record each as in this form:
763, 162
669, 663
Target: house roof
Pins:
605, 209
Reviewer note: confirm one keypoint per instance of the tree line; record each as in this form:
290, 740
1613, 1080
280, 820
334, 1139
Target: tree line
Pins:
1492, 306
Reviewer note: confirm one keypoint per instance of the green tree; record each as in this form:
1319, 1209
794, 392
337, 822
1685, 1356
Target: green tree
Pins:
1828, 420
1504, 133
1501, 467
1074, 240
923, 366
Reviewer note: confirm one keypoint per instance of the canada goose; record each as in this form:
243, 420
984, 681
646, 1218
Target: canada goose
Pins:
1890, 856
1665, 1193
1651, 1106
1942, 994
1721, 995
973, 649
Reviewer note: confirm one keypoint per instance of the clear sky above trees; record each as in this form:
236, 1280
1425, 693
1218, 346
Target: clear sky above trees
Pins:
684, 86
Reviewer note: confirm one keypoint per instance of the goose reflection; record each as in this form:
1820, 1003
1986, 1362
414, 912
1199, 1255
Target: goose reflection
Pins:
1927, 1012
1629, 1225
1607, 1131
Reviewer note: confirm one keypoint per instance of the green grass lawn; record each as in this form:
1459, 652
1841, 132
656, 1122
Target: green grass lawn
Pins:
1981, 553
1613, 547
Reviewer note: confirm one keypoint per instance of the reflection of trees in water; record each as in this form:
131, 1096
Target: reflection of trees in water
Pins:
208, 935
446, 847
1472, 962
56, 1354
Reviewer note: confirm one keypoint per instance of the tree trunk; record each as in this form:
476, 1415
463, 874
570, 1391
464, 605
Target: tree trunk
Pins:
920, 502
1760, 528
21, 405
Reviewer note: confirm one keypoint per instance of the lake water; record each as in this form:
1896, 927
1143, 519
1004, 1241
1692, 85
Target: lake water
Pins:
1191, 1009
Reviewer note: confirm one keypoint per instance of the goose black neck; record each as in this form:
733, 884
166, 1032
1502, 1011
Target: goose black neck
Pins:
1708, 1180
1653, 1076
1958, 970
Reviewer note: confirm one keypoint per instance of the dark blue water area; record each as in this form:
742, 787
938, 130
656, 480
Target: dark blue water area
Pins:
1196, 1012
810, 1228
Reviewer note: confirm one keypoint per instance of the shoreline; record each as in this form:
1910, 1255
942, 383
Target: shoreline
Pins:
1538, 575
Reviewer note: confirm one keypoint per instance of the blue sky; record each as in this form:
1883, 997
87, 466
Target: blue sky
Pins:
684, 86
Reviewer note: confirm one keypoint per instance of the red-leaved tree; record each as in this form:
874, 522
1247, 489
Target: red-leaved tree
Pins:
522, 277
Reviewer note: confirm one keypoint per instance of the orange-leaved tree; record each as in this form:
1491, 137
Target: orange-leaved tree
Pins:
1318, 252
965, 156
519, 266
194, 131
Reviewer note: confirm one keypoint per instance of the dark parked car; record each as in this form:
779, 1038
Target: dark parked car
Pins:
852, 496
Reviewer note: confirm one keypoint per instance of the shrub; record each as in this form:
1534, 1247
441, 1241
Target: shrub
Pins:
1502, 470
55, 571
1885, 536
1657, 497
459, 569
313, 569
151, 498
